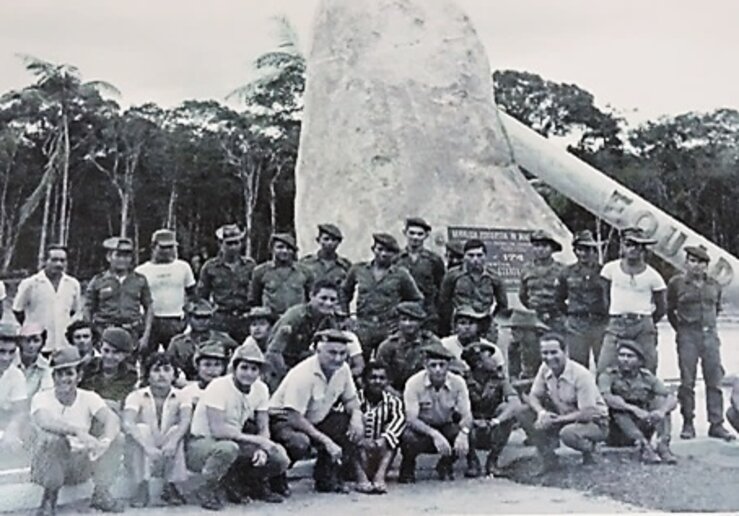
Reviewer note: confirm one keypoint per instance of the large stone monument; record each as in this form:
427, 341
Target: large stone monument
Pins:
400, 121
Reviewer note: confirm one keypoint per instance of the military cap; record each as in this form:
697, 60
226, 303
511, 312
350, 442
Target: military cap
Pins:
698, 251
29, 329
210, 349
200, 307
330, 230
455, 247
437, 350
473, 243
470, 313
636, 235
285, 238
522, 318
118, 244
459, 367
261, 312
419, 222
119, 338
584, 239
249, 352
411, 309
543, 236
9, 331
386, 240
229, 233
331, 335
164, 237
633, 346
477, 347
68, 356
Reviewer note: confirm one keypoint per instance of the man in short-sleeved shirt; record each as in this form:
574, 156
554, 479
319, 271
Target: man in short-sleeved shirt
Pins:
13, 391
637, 300
301, 409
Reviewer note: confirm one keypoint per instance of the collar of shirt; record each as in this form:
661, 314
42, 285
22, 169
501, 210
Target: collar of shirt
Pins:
568, 373
172, 394
40, 363
427, 381
42, 277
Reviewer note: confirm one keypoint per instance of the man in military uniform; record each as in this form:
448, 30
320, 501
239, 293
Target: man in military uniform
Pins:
693, 302
281, 282
540, 282
118, 296
454, 254
293, 333
380, 286
261, 320
494, 403
474, 285
224, 281
112, 376
326, 263
469, 327
524, 356
639, 404
183, 347
426, 267
402, 352
585, 294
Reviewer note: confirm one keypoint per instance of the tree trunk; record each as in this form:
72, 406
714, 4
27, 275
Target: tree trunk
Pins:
172, 208
65, 181
44, 224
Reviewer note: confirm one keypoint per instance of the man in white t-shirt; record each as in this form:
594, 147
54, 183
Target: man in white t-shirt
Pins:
637, 301
230, 442
172, 283
50, 298
13, 390
469, 328
65, 451
210, 363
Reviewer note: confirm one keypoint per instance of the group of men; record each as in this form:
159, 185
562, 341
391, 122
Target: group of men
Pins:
237, 375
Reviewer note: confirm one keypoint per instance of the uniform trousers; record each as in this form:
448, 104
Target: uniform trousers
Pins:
694, 343
585, 333
640, 329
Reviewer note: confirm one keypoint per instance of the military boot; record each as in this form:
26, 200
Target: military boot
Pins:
647, 455
718, 431
664, 452
407, 472
48, 503
688, 431
103, 501
473, 465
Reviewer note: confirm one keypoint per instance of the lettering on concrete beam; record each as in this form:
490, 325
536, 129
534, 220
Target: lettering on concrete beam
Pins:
723, 272
647, 221
615, 208
673, 242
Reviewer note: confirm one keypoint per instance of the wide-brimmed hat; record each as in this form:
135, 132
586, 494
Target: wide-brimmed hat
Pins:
470, 313
210, 349
285, 238
585, 238
9, 331
164, 238
411, 309
544, 236
248, 351
67, 356
261, 312
200, 307
636, 235
521, 318
29, 329
477, 347
229, 233
699, 251
331, 230
386, 240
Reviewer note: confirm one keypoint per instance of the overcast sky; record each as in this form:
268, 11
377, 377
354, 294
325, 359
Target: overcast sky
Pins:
657, 56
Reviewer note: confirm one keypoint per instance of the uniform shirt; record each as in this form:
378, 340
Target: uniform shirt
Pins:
114, 388
191, 393
403, 357
452, 344
377, 299
280, 286
304, 322
427, 270
306, 390
460, 288
227, 286
333, 270
12, 387
632, 294
436, 407
80, 413
691, 303
118, 302
584, 290
167, 282
53, 309
575, 389
238, 407
38, 375
386, 419
540, 288
487, 394
639, 389
182, 348
141, 401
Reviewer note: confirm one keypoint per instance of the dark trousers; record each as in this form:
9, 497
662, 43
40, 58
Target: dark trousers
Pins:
162, 331
578, 436
524, 357
625, 429
298, 444
583, 335
371, 334
413, 444
236, 325
694, 343
732, 416
491, 439
642, 330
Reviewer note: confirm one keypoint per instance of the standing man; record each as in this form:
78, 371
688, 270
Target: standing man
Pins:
281, 282
565, 404
693, 302
50, 298
637, 301
224, 281
584, 292
326, 263
118, 296
403, 351
171, 283
472, 285
426, 267
380, 286
438, 415
540, 282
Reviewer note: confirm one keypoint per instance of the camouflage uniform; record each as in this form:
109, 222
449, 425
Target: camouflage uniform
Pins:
541, 292
462, 288
332, 270
118, 303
